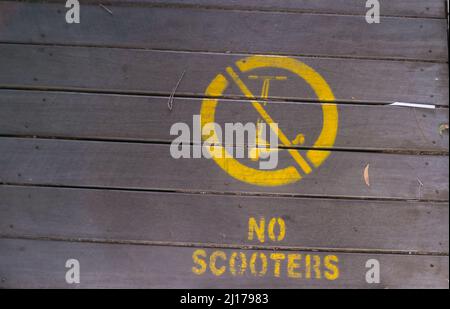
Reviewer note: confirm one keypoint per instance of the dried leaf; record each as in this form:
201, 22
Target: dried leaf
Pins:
366, 175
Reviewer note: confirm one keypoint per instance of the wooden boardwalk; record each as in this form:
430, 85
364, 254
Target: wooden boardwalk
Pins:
86, 171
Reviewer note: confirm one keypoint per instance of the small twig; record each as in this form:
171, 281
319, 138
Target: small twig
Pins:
170, 103
420, 187
106, 9
421, 183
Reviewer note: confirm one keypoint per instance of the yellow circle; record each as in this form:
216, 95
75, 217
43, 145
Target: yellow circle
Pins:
289, 174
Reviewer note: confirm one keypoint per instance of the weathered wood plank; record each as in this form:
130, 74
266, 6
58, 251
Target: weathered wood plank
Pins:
227, 31
40, 264
405, 8
158, 72
94, 116
148, 166
219, 219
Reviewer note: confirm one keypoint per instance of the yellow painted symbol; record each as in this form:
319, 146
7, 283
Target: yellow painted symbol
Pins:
299, 140
266, 84
305, 163
261, 144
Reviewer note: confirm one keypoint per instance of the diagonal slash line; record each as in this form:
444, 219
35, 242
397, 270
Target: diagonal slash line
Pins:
260, 109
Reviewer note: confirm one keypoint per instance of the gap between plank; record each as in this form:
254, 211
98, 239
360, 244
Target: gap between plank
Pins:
417, 152
222, 246
237, 53
230, 193
166, 95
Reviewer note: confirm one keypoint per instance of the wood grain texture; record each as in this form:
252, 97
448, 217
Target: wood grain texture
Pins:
148, 166
32, 264
227, 31
405, 8
140, 118
219, 219
155, 72
98, 184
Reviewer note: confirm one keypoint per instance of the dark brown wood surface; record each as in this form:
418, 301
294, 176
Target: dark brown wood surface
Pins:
400, 8
85, 167
143, 118
151, 166
156, 72
120, 265
214, 220
228, 31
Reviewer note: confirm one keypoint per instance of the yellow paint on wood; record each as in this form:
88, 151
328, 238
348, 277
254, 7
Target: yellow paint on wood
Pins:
289, 174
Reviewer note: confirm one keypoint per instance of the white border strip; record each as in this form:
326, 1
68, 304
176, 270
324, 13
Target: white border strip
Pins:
428, 106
